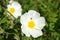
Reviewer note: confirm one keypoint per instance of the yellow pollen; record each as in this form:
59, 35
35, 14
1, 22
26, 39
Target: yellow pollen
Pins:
31, 24
12, 10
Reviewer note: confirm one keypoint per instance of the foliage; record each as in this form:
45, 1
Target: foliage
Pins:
50, 9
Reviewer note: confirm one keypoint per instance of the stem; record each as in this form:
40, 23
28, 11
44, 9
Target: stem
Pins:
20, 33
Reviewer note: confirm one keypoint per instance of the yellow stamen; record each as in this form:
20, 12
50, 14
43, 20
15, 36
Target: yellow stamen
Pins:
31, 24
12, 10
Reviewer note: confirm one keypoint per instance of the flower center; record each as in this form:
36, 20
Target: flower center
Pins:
12, 10
31, 24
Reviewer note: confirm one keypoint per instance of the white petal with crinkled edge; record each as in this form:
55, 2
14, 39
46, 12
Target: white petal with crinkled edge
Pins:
24, 18
40, 23
25, 30
33, 14
17, 13
16, 5
35, 33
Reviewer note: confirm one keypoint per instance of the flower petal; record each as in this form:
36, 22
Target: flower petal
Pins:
25, 31
40, 22
16, 5
35, 33
33, 14
24, 18
17, 13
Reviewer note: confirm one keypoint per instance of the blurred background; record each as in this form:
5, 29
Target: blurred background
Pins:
50, 9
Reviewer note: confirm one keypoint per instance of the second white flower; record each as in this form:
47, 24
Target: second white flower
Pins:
14, 8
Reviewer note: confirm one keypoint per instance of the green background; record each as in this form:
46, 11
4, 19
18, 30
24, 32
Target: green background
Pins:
50, 9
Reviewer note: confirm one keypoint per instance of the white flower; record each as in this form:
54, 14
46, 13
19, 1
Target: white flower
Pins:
14, 8
32, 24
